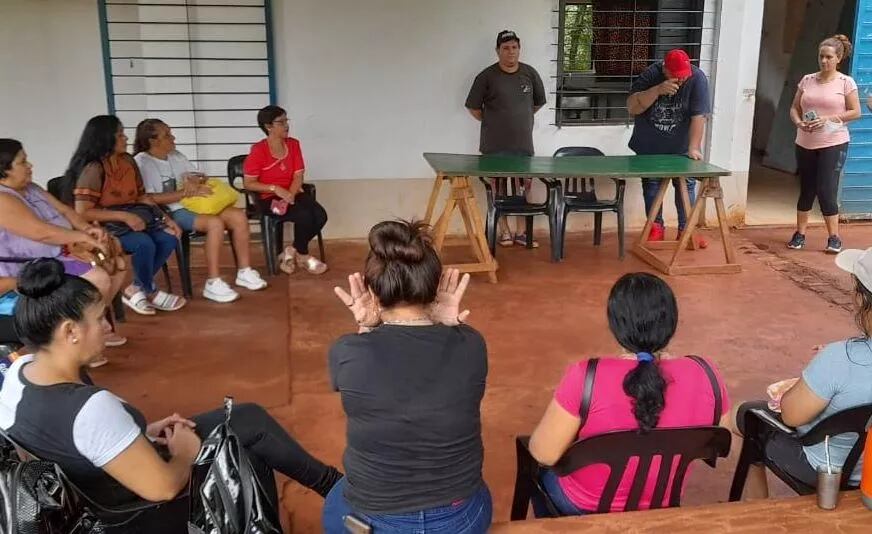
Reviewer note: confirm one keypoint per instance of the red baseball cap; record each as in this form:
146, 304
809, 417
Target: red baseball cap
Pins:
677, 63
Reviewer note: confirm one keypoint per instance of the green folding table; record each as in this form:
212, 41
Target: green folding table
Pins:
458, 168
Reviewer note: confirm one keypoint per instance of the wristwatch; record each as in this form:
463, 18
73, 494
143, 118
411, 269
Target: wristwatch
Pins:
272, 189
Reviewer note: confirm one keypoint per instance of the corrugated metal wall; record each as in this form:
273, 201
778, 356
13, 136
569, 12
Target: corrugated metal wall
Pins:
856, 194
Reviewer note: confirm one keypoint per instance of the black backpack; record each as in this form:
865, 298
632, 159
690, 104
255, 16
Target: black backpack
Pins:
34, 498
226, 496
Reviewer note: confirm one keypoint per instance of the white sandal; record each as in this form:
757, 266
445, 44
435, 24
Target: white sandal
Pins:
138, 302
312, 264
164, 301
288, 260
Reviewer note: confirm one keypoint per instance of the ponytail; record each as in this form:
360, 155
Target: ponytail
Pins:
643, 316
647, 387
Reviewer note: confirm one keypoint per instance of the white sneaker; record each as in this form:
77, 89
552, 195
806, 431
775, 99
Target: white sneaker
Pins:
217, 289
250, 279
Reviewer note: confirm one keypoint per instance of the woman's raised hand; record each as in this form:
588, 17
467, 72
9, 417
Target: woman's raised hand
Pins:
360, 301
446, 308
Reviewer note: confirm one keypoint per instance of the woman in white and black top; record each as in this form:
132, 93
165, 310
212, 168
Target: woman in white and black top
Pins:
102, 443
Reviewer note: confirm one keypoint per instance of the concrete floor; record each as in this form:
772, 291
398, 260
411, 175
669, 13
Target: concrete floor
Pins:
758, 326
772, 197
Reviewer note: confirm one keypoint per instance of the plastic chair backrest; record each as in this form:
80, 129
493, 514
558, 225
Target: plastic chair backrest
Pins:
852, 420
234, 173
670, 444
55, 187
578, 185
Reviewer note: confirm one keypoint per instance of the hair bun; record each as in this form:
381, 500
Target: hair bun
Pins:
402, 241
40, 278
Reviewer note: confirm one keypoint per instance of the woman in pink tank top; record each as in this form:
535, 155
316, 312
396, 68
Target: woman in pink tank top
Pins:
824, 102
643, 390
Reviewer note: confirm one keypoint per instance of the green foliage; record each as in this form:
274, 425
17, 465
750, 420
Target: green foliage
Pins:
577, 37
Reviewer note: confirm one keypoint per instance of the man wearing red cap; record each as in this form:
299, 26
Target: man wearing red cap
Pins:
669, 100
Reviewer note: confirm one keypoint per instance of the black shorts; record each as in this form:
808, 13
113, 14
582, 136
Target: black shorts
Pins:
782, 449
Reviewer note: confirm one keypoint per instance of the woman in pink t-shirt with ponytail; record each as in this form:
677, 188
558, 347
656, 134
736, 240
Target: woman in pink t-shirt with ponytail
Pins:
825, 101
643, 390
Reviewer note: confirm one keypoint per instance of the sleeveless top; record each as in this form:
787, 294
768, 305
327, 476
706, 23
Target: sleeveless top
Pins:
15, 246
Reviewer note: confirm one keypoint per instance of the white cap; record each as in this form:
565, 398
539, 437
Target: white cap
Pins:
857, 262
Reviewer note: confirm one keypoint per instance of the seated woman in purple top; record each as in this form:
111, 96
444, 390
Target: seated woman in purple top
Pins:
34, 224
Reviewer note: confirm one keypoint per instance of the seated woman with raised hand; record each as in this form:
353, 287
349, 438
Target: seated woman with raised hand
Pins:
159, 161
34, 224
274, 169
839, 377
411, 384
107, 187
643, 390
102, 443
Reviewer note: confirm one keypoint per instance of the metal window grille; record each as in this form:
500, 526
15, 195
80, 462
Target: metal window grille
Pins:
203, 66
603, 45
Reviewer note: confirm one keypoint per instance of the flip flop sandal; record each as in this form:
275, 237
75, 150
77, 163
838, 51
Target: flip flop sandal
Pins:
521, 239
506, 240
114, 340
99, 362
164, 301
287, 260
138, 302
313, 265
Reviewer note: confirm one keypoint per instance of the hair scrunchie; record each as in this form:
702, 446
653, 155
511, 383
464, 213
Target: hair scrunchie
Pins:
645, 357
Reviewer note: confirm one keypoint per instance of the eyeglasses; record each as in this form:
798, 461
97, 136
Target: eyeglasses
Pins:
283, 122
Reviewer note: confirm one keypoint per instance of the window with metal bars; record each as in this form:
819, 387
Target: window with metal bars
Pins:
603, 45
203, 66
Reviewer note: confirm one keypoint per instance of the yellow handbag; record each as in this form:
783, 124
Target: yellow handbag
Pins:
223, 196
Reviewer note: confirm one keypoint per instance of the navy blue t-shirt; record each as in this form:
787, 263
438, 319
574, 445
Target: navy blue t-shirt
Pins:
664, 128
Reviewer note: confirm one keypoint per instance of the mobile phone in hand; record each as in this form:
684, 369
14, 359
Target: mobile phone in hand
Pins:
809, 115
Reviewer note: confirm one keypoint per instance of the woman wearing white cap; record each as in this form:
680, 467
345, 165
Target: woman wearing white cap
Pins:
839, 377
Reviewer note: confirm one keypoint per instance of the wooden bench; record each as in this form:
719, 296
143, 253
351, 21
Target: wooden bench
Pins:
794, 515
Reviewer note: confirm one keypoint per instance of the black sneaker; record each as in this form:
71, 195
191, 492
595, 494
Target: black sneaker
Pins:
834, 244
797, 241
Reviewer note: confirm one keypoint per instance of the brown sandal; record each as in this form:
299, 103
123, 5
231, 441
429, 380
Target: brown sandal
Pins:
287, 260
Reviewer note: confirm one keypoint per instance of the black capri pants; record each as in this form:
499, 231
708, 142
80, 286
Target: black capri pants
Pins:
819, 172
308, 217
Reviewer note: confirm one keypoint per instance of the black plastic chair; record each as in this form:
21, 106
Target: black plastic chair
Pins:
707, 443
271, 230
754, 446
504, 200
578, 195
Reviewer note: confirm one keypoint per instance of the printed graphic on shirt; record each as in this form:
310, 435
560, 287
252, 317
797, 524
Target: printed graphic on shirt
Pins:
667, 113
526, 87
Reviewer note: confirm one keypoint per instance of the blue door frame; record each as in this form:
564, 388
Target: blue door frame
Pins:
856, 187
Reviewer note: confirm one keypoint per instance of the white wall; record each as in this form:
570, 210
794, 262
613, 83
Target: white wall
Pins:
733, 107
51, 77
369, 87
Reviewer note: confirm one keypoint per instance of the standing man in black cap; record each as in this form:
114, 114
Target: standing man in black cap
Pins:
504, 97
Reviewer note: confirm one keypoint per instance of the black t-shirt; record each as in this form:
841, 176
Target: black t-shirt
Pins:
506, 101
664, 128
80, 427
412, 396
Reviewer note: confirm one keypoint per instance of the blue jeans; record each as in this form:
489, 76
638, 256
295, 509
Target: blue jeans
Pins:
470, 516
548, 481
649, 192
150, 251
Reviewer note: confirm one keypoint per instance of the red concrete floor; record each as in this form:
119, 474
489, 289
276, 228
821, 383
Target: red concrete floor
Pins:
757, 326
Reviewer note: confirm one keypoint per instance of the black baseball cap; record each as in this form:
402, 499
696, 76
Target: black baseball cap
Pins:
507, 35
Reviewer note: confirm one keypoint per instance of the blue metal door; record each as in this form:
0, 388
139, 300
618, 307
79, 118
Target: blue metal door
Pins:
856, 193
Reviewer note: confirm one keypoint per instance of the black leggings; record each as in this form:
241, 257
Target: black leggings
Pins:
819, 173
269, 449
308, 217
